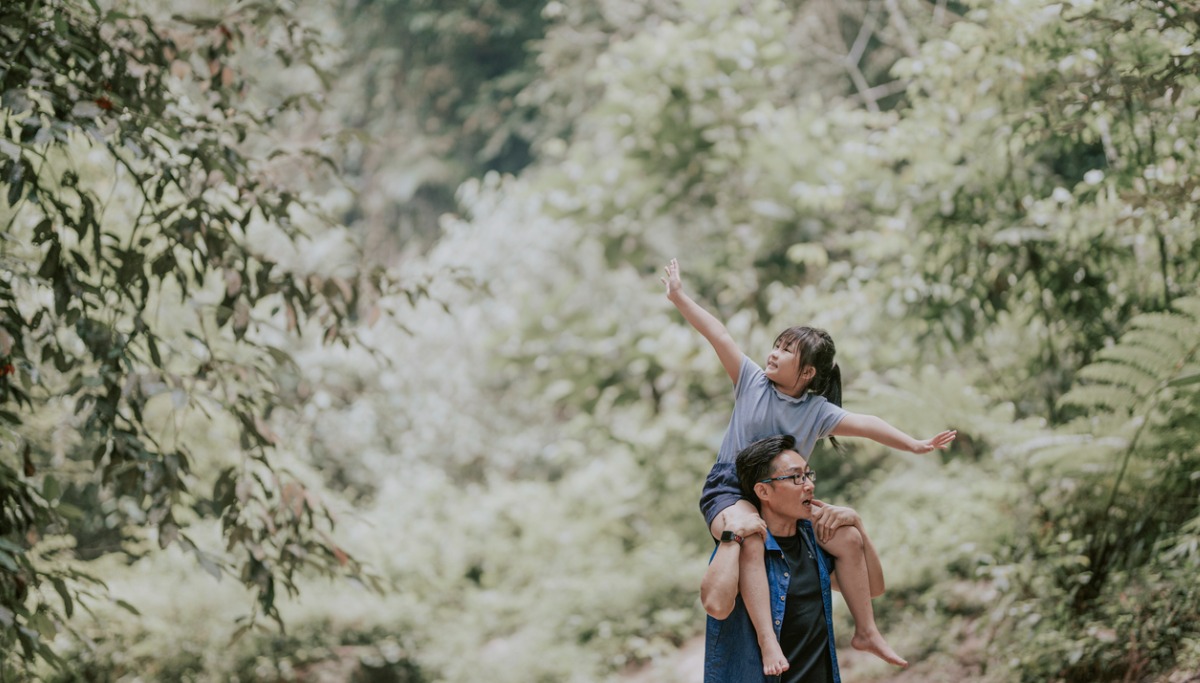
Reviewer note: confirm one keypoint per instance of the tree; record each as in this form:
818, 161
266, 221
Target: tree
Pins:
153, 266
1048, 152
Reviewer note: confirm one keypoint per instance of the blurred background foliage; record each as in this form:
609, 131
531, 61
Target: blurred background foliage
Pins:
360, 301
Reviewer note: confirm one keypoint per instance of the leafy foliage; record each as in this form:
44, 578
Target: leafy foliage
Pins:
1064, 195
1121, 534
988, 205
141, 184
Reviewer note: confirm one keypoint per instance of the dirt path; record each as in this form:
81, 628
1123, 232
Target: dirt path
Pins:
686, 665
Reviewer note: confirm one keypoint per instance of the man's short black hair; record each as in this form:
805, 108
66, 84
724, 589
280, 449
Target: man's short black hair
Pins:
754, 462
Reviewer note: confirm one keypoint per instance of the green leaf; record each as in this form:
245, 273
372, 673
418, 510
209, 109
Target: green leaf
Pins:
152, 346
168, 532
14, 190
50, 265
69, 511
1186, 380
208, 563
60, 587
163, 264
50, 488
239, 632
43, 625
43, 231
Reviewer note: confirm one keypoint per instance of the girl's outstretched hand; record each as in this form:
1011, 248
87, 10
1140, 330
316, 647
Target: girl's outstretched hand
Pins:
672, 281
939, 442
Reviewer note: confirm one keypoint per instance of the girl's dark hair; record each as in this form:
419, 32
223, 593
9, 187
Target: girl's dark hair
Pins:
754, 463
816, 348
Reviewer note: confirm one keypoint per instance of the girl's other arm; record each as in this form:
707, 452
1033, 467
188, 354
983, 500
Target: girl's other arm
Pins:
874, 428
704, 322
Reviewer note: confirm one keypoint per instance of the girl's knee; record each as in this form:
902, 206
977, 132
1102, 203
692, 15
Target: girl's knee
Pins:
746, 505
846, 539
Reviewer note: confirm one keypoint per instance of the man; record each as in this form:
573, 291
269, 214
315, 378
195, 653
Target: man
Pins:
777, 480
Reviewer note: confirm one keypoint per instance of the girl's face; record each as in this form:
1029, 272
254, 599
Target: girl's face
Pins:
786, 370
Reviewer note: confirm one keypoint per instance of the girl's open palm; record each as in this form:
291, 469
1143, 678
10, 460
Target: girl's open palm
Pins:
939, 442
672, 281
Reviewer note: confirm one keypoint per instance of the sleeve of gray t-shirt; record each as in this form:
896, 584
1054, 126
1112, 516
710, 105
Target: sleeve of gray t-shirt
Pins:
748, 369
830, 417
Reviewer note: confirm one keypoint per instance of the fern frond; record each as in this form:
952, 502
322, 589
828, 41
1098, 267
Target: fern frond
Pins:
1179, 325
1123, 374
1185, 546
1189, 305
1094, 397
1145, 350
1157, 354
1164, 345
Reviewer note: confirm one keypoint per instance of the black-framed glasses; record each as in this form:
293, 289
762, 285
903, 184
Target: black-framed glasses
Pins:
797, 479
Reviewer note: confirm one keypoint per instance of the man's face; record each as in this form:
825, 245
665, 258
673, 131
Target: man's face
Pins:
791, 498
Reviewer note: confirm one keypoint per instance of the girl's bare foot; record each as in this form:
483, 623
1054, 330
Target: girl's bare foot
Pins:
774, 663
876, 645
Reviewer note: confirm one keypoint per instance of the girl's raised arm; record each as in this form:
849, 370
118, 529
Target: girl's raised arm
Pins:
704, 322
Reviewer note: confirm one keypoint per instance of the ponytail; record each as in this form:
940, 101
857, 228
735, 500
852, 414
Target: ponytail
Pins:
832, 391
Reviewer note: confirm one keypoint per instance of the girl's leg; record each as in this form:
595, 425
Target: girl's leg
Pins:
752, 583
756, 594
847, 546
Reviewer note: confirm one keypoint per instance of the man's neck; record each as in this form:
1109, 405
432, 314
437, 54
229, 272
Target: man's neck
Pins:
778, 525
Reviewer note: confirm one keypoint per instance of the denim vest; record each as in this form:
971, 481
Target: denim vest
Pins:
731, 653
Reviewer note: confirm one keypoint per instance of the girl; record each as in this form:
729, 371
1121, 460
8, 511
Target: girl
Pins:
798, 393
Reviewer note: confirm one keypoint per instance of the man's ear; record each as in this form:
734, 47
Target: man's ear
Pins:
762, 490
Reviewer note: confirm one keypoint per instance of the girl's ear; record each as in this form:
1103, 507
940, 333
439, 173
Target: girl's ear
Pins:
807, 373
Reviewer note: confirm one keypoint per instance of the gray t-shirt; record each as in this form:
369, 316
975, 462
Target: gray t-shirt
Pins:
760, 410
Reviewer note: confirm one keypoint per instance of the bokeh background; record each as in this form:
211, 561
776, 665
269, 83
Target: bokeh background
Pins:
334, 347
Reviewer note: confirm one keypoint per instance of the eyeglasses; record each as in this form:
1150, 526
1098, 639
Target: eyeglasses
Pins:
797, 479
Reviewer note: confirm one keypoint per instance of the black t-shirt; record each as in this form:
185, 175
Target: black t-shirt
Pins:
804, 637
